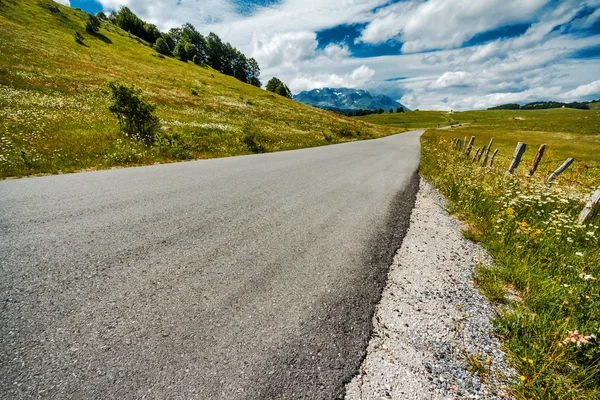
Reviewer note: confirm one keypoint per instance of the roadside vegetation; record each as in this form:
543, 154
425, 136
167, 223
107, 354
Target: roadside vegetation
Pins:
54, 101
545, 281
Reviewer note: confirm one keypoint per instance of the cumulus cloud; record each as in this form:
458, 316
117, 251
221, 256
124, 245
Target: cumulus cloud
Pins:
584, 91
441, 24
284, 49
358, 77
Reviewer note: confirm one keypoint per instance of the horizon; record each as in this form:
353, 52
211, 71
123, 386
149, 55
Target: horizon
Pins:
478, 56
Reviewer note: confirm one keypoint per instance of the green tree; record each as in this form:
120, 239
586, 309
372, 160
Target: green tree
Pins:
130, 22
399, 109
253, 71
101, 16
92, 24
255, 82
133, 111
216, 50
391, 110
162, 47
276, 86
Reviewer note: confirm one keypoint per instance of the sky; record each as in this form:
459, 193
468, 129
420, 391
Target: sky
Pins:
427, 54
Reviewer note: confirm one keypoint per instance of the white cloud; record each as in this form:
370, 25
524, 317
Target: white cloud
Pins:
583, 91
442, 24
285, 49
358, 77
64, 2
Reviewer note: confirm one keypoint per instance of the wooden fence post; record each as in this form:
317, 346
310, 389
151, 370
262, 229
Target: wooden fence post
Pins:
476, 154
591, 207
465, 143
487, 153
560, 170
492, 158
519, 151
537, 159
470, 146
481, 154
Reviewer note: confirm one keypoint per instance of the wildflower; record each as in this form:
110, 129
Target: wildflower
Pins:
577, 338
579, 253
523, 378
510, 211
587, 277
590, 234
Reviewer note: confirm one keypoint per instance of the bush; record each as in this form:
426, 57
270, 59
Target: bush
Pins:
93, 24
101, 15
134, 112
162, 47
252, 137
276, 86
78, 38
180, 52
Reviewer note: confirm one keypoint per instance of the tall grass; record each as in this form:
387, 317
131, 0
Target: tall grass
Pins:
545, 280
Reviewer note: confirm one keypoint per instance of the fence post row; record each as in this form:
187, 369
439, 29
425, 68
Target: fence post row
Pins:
590, 209
519, 151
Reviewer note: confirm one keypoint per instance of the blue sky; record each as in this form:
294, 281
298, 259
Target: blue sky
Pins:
434, 54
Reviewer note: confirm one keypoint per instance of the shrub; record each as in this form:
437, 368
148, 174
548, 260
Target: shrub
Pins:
180, 52
133, 111
78, 38
251, 138
93, 23
162, 47
101, 15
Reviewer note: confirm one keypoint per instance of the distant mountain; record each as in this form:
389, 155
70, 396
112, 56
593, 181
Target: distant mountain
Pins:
344, 99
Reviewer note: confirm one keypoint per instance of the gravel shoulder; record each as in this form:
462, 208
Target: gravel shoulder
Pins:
431, 318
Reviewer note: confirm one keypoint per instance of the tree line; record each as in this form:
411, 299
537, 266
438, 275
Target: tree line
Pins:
187, 44
541, 105
361, 112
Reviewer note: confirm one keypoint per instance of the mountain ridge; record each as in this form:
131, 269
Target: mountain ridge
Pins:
346, 99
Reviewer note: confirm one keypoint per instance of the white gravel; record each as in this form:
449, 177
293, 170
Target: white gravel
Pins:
431, 318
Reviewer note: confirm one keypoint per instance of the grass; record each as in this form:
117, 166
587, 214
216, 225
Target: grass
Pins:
53, 111
545, 281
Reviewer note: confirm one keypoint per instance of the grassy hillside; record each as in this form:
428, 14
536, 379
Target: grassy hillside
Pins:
53, 111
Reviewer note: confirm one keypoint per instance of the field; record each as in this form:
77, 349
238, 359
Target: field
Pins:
53, 107
547, 265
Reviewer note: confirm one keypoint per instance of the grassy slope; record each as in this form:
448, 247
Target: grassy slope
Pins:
53, 114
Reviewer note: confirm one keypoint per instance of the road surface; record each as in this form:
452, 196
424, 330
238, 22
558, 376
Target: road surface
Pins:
247, 277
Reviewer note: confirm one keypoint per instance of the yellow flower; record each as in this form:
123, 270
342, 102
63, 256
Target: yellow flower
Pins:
510, 211
523, 378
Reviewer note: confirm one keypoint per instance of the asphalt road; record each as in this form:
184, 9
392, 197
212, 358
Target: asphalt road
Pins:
247, 277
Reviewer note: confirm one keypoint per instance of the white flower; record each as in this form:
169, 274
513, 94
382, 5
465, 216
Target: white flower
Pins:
587, 277
590, 234
580, 254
